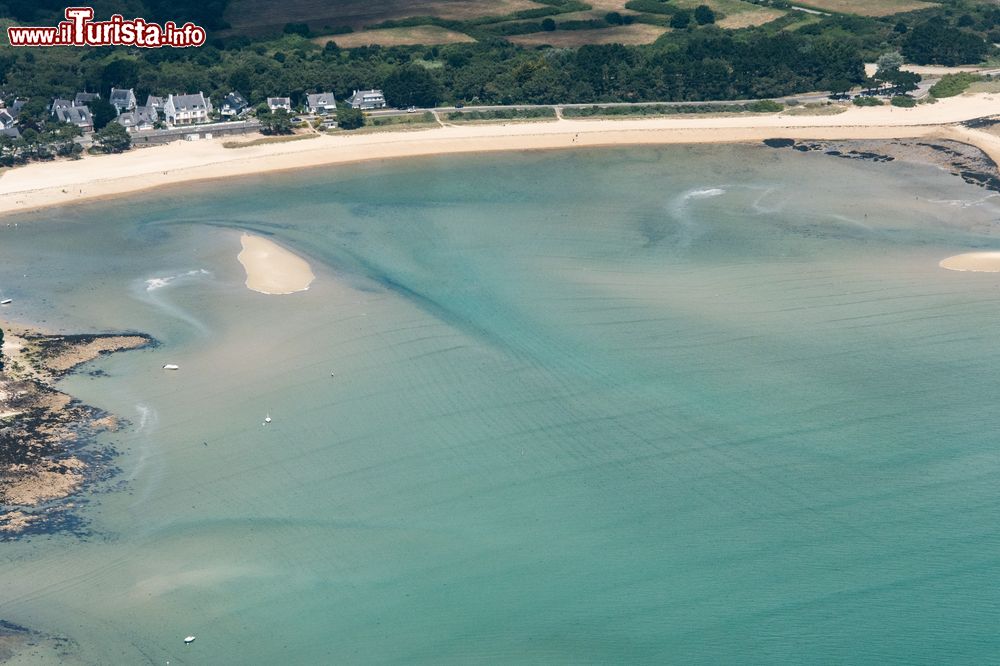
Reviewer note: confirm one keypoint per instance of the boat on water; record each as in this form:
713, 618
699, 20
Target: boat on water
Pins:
267, 419
171, 366
189, 639
6, 301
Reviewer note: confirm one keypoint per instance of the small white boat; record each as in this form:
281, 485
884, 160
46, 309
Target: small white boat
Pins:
171, 366
267, 419
6, 301
189, 639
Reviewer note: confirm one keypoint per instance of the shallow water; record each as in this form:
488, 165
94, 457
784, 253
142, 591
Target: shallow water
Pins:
693, 405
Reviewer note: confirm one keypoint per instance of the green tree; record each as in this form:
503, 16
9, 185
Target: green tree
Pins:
412, 85
548, 25
704, 15
614, 18
275, 122
103, 112
349, 118
113, 139
680, 20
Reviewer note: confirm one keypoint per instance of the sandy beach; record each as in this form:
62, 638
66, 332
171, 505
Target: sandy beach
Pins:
271, 269
65, 182
976, 262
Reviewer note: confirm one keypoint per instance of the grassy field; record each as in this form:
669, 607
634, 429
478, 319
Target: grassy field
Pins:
262, 16
423, 34
738, 14
267, 139
637, 33
867, 7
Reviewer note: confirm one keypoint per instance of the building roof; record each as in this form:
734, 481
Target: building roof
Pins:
12, 132
141, 115
321, 99
279, 100
234, 100
84, 97
15, 108
6, 118
155, 102
77, 115
122, 96
189, 102
59, 103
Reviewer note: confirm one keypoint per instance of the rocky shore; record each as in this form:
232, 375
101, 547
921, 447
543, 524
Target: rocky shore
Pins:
961, 159
47, 438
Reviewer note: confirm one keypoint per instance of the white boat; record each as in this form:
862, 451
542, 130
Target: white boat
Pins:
267, 419
189, 639
171, 366
6, 301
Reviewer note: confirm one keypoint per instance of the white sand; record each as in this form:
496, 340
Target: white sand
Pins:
978, 262
65, 182
271, 269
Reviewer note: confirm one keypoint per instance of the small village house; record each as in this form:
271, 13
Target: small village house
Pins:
85, 98
156, 103
138, 119
60, 103
233, 105
187, 109
367, 99
275, 103
321, 103
123, 99
75, 115
6, 119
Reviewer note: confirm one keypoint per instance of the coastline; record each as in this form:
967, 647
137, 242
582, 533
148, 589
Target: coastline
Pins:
42, 185
45, 434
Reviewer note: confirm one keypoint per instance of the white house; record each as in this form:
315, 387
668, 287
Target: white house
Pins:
368, 99
275, 103
6, 119
321, 103
187, 109
123, 99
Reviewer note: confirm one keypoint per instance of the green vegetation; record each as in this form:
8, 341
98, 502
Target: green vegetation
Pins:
503, 114
349, 118
274, 122
903, 101
268, 139
954, 84
764, 106
867, 101
113, 139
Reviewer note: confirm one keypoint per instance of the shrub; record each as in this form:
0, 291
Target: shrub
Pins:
765, 106
904, 101
867, 101
954, 84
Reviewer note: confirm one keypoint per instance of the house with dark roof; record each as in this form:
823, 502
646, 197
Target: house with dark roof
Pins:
321, 103
233, 105
6, 119
75, 115
123, 99
275, 103
187, 109
15, 108
85, 98
138, 119
367, 99
155, 102
59, 103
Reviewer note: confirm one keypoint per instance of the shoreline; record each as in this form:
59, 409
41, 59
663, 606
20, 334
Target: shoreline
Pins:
46, 436
42, 185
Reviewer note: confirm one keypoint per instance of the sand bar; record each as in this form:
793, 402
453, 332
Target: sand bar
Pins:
977, 262
66, 182
271, 269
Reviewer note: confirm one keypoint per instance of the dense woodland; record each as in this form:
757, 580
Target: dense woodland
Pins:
698, 62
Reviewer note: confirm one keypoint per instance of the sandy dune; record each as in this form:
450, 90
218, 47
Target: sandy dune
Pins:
977, 262
271, 269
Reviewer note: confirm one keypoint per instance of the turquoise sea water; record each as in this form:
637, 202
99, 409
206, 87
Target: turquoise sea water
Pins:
682, 405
